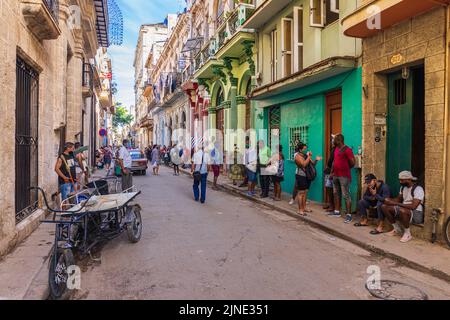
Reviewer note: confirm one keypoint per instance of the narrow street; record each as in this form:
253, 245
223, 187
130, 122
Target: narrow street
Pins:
232, 248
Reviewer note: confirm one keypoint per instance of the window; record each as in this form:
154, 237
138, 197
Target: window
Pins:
298, 39
399, 92
296, 135
274, 54
323, 12
286, 47
316, 13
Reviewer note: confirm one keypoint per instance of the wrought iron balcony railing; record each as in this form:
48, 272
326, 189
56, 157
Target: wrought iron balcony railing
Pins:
53, 8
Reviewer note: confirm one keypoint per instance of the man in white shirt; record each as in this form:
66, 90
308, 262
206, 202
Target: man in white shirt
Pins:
407, 207
199, 171
125, 162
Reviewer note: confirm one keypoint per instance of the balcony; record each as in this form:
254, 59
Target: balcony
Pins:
265, 12
87, 80
41, 17
364, 23
148, 88
232, 35
205, 59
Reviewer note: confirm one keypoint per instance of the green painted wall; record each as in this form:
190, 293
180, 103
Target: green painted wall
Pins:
311, 112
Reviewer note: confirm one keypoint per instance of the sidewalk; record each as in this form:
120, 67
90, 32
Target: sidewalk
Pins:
417, 254
26, 267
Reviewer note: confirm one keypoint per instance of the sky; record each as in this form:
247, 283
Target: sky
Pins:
135, 13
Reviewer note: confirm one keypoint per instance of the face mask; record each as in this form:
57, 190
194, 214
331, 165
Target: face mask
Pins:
405, 184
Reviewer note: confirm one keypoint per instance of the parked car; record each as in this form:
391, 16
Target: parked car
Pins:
139, 162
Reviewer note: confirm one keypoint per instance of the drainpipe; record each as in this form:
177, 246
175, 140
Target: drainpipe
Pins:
445, 197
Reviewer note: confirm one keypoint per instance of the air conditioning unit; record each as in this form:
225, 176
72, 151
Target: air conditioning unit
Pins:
245, 11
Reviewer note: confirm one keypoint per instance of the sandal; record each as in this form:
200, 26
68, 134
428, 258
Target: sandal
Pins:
375, 232
303, 214
359, 224
308, 210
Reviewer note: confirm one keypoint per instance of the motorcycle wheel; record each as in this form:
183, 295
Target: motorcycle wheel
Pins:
134, 228
58, 274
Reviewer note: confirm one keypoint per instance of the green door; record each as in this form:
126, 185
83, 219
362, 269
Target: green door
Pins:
399, 129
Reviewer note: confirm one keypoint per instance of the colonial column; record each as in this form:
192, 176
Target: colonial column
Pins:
233, 111
74, 90
241, 104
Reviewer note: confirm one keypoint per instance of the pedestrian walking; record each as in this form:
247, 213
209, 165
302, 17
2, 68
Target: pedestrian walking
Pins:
65, 169
155, 160
175, 156
244, 184
199, 171
344, 161
216, 161
125, 163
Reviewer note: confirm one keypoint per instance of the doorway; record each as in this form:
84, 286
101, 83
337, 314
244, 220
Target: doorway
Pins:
333, 121
406, 126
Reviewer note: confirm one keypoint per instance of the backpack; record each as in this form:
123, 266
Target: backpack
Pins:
311, 172
412, 194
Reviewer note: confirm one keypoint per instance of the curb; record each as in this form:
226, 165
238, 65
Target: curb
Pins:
406, 262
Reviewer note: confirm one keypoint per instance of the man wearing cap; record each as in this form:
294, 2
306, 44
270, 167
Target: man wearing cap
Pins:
407, 206
376, 192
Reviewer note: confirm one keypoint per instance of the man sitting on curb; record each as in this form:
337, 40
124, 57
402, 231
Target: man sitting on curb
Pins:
376, 192
406, 206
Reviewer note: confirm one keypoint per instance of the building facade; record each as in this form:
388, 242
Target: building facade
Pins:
405, 100
45, 45
308, 82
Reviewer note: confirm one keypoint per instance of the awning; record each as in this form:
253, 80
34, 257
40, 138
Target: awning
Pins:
192, 44
102, 23
362, 23
321, 71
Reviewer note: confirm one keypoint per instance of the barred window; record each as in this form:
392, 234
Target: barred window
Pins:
296, 135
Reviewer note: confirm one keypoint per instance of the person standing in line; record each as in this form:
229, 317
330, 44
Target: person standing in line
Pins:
329, 206
264, 155
251, 165
125, 163
81, 168
107, 158
344, 161
278, 178
244, 184
303, 159
65, 169
155, 160
199, 172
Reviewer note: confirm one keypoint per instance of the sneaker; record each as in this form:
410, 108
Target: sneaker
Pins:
334, 214
348, 218
406, 238
250, 194
291, 202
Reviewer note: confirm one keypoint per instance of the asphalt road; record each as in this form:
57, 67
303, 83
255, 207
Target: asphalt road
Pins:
232, 248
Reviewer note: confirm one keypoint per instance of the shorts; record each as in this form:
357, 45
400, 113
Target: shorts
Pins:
341, 185
155, 164
66, 189
277, 179
417, 216
252, 177
328, 182
107, 161
216, 170
302, 183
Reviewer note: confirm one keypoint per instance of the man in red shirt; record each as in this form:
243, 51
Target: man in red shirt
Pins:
344, 161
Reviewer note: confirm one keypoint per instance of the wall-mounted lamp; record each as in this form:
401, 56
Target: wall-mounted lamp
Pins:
405, 73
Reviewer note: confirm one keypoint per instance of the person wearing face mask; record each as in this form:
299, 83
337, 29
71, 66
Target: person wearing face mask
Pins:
375, 194
406, 208
125, 163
